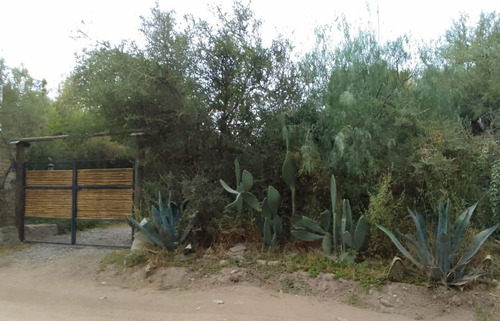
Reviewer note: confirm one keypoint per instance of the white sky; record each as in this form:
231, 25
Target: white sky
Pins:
38, 33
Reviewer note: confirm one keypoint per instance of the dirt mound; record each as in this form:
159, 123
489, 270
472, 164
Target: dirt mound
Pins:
414, 302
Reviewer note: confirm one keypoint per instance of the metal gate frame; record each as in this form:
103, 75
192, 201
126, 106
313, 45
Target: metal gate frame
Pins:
74, 196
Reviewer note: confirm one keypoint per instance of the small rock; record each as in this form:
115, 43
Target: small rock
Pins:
104, 283
235, 277
238, 249
138, 245
218, 301
198, 308
456, 300
328, 277
102, 298
341, 319
386, 303
273, 263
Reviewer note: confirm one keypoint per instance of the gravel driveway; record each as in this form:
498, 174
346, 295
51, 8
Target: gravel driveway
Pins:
106, 238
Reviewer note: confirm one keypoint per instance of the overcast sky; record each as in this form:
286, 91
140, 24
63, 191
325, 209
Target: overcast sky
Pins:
40, 34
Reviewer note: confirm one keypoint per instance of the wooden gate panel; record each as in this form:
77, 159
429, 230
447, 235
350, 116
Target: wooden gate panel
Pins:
101, 177
53, 203
98, 193
111, 204
49, 178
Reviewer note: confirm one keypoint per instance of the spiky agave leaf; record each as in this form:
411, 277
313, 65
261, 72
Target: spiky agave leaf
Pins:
476, 244
444, 254
460, 227
444, 214
423, 254
421, 229
146, 229
400, 246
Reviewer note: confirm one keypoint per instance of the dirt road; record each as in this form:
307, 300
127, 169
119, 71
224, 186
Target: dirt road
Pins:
55, 282
66, 289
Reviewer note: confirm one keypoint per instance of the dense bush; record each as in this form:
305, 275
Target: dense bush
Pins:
396, 129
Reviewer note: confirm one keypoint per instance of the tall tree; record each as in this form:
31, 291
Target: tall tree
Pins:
472, 55
24, 105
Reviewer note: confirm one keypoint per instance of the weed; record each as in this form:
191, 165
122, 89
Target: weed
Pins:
123, 258
295, 285
315, 263
6, 250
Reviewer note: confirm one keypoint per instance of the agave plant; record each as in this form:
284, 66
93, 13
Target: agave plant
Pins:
163, 228
336, 239
441, 263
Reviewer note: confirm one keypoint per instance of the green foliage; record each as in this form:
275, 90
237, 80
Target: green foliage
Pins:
315, 263
209, 91
244, 182
272, 225
472, 54
290, 172
24, 106
494, 190
441, 263
353, 234
164, 227
123, 258
332, 232
269, 222
387, 210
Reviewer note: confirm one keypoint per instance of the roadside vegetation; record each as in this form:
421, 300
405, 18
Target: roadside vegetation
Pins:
322, 155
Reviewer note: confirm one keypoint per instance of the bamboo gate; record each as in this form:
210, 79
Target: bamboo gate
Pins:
79, 194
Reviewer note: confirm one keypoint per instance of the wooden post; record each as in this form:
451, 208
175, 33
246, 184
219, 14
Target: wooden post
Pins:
139, 171
20, 193
74, 203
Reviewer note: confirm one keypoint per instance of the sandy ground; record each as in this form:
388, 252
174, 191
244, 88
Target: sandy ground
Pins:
67, 289
72, 286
